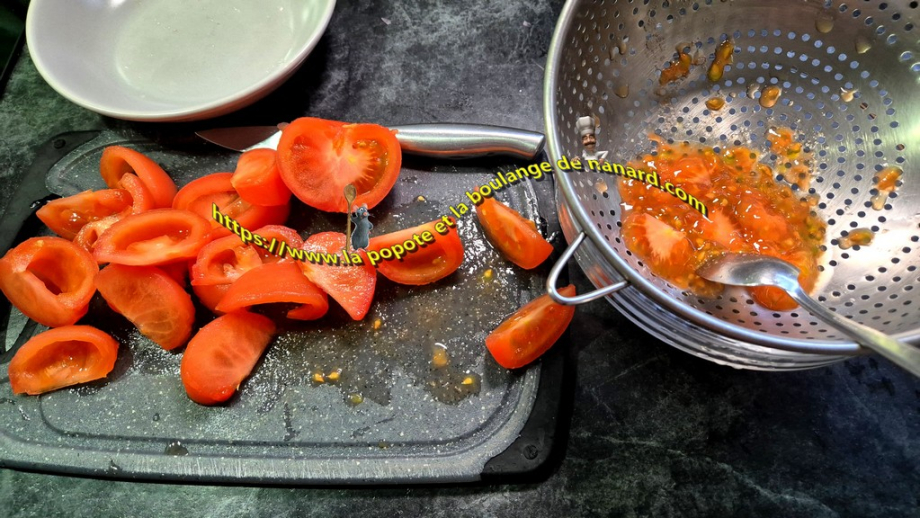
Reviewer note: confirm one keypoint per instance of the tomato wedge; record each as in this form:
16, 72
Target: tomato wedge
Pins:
273, 283
210, 296
66, 216
279, 233
223, 354
531, 331
88, 235
258, 179
515, 237
223, 261
318, 158
156, 237
60, 358
141, 198
433, 255
351, 286
118, 161
200, 195
49, 279
151, 299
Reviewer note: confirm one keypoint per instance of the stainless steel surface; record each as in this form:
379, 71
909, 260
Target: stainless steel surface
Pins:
604, 61
431, 140
758, 270
553, 279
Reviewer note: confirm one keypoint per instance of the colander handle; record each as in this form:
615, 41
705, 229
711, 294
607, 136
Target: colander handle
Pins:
553, 279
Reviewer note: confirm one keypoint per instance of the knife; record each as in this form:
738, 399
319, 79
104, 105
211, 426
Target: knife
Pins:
455, 141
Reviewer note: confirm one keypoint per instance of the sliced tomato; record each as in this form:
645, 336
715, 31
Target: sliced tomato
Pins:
223, 354
278, 233
210, 296
515, 237
88, 235
49, 279
200, 196
177, 271
665, 250
141, 198
156, 237
318, 158
62, 357
118, 161
66, 216
152, 300
223, 261
531, 331
432, 256
351, 286
258, 179
274, 283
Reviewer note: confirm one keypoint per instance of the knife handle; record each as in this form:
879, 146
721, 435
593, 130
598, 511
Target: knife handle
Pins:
468, 140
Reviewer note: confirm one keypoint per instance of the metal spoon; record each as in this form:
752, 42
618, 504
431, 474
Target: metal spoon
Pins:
759, 270
350, 194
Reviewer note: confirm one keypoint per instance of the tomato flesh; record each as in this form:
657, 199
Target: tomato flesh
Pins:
156, 237
351, 286
118, 161
49, 279
223, 261
200, 195
258, 180
222, 354
210, 296
66, 216
60, 358
282, 282
515, 237
428, 263
318, 158
279, 233
152, 300
531, 331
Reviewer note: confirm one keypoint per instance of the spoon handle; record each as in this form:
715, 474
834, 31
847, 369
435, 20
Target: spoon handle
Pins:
902, 354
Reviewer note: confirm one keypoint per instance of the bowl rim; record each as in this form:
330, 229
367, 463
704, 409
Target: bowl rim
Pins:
196, 111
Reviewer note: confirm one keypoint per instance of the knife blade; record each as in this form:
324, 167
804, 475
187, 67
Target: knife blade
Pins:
453, 141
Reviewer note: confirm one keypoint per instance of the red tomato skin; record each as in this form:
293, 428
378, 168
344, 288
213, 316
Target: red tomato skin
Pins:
58, 350
258, 180
280, 233
223, 261
351, 286
515, 237
152, 238
147, 296
66, 216
274, 283
432, 263
118, 161
531, 331
200, 196
222, 354
65, 266
318, 158
210, 296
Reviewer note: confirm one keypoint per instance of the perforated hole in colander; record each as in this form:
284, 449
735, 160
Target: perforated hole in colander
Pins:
848, 72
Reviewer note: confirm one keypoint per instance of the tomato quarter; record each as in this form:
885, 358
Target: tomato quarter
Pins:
223, 261
531, 331
200, 195
351, 286
118, 161
60, 358
318, 158
258, 179
156, 237
515, 237
66, 216
274, 283
427, 263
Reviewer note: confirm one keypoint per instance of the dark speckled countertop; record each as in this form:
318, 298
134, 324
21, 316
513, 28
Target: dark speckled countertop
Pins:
654, 431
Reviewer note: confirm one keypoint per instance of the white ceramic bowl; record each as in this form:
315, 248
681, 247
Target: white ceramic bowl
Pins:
171, 60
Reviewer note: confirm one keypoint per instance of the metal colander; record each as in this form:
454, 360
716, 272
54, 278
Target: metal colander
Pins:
605, 61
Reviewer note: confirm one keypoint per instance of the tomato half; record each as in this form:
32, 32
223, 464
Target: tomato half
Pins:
351, 286
200, 195
223, 354
433, 255
156, 237
49, 279
258, 179
118, 161
531, 331
318, 158
223, 261
151, 299
66, 216
274, 283
279, 233
515, 237
62, 357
